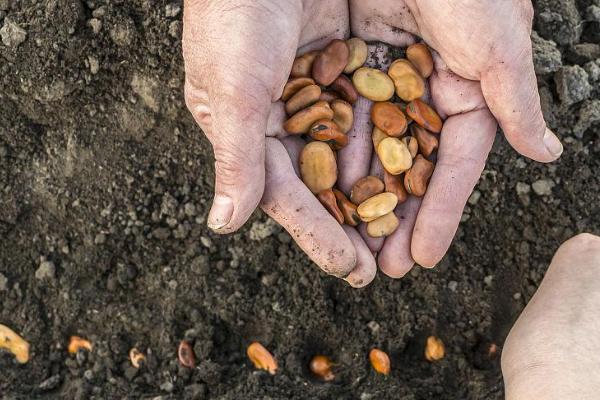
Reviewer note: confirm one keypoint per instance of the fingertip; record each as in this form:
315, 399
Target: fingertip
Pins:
395, 269
365, 270
553, 144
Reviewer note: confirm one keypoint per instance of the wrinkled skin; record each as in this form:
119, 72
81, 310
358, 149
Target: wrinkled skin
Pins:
238, 54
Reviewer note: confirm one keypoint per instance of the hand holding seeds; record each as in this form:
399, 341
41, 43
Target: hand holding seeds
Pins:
432, 126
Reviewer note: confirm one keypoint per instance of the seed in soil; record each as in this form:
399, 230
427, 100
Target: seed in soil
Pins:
330, 62
389, 118
416, 179
294, 85
322, 368
77, 343
11, 341
424, 115
365, 188
420, 56
326, 130
409, 84
302, 66
373, 84
377, 206
305, 97
136, 357
343, 115
383, 226
318, 166
329, 201
347, 208
395, 184
434, 349
185, 355
427, 141
358, 52
300, 123
262, 358
394, 155
380, 361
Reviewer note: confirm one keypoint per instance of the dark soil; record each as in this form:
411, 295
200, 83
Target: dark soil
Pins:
104, 174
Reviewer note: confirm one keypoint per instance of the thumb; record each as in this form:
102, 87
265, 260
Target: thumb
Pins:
511, 92
233, 114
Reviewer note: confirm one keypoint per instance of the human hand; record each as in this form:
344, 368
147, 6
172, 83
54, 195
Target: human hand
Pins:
238, 55
483, 74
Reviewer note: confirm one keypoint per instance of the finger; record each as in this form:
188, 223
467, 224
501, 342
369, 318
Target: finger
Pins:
465, 142
289, 202
511, 92
383, 20
366, 268
374, 244
395, 259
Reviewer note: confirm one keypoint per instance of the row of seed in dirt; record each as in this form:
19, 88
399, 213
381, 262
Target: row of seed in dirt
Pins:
318, 100
321, 366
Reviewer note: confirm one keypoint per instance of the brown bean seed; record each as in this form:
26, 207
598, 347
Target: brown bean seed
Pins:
378, 136
407, 80
380, 361
377, 206
420, 56
77, 343
302, 66
365, 188
394, 155
434, 349
395, 184
383, 226
321, 366
343, 115
326, 130
186, 355
136, 357
428, 142
294, 85
347, 208
424, 115
305, 97
329, 96
262, 358
358, 54
345, 88
329, 201
389, 118
301, 122
318, 166
412, 144
417, 178
11, 341
330, 63
373, 84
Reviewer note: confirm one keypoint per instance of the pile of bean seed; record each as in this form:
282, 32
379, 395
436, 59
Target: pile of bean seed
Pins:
318, 100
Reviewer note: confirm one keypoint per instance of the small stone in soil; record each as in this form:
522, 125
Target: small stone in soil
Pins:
46, 270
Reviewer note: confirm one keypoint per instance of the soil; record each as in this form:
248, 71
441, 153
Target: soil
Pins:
105, 183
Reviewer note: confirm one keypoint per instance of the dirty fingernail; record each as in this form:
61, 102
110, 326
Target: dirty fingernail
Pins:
552, 143
220, 212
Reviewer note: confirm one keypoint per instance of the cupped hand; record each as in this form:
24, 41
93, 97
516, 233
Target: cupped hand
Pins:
483, 75
238, 55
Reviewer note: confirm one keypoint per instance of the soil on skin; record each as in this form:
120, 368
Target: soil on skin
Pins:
105, 177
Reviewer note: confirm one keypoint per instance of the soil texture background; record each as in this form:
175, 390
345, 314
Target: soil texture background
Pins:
105, 184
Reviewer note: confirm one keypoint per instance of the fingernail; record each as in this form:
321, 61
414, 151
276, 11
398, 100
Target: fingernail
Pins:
220, 212
552, 143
